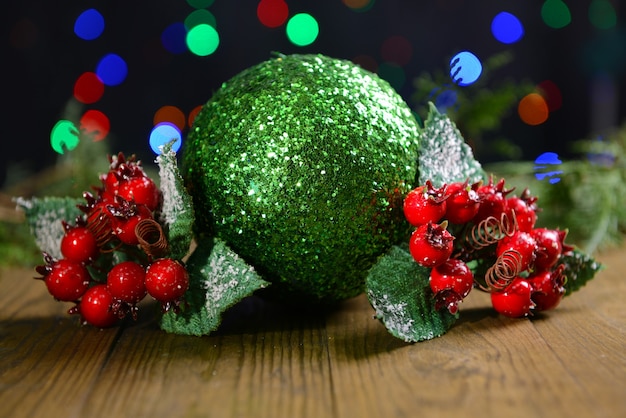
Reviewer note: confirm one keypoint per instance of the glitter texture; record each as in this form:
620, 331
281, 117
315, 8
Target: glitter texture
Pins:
300, 165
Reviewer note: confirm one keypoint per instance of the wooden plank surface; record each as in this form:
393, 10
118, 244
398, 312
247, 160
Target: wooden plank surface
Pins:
268, 361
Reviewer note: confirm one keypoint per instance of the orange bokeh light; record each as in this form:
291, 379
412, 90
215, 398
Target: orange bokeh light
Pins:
533, 109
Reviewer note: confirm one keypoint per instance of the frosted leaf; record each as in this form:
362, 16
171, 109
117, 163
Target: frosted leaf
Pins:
444, 157
176, 215
219, 279
398, 290
44, 217
579, 269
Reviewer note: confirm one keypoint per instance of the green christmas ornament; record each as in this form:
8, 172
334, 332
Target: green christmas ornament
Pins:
300, 164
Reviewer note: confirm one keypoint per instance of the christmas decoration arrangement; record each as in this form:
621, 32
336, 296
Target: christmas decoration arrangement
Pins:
304, 180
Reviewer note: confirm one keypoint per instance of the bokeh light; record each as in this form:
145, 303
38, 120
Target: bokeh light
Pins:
359, 5
507, 28
397, 49
24, 34
445, 99
602, 14
171, 114
89, 25
533, 109
544, 167
302, 29
200, 4
556, 14
95, 124
192, 115
366, 62
162, 134
272, 13
465, 68
393, 74
202, 40
173, 38
551, 93
112, 70
64, 136
88, 88
200, 17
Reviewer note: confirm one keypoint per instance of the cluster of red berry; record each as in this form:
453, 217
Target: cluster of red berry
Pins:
495, 233
119, 219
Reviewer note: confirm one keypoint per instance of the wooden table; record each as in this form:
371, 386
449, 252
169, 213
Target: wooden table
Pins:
270, 362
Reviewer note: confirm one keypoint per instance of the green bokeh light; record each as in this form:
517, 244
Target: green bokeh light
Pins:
556, 14
199, 17
64, 135
602, 14
202, 40
200, 4
393, 74
302, 29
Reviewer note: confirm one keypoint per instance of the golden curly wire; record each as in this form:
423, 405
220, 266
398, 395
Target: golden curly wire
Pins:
151, 238
99, 225
490, 230
506, 267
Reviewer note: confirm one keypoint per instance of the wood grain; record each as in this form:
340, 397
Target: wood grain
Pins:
270, 361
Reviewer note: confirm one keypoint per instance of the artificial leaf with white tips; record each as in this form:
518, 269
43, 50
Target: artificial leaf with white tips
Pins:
398, 290
218, 279
44, 216
444, 157
176, 214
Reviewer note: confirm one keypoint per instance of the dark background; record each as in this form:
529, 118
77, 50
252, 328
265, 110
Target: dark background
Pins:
41, 67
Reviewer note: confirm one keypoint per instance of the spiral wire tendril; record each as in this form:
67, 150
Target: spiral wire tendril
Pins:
151, 238
100, 226
490, 230
506, 267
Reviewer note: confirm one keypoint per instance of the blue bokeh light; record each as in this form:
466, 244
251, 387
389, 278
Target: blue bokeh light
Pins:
89, 25
173, 38
542, 169
465, 68
162, 134
112, 70
507, 28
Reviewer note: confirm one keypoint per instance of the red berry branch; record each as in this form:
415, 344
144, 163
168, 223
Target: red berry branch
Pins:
120, 218
485, 226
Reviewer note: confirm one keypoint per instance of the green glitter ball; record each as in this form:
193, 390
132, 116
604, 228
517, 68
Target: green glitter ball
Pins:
300, 165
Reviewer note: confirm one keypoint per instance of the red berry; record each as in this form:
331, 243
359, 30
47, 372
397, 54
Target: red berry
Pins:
124, 224
549, 247
67, 280
451, 282
492, 200
142, 190
125, 282
453, 275
522, 243
425, 204
448, 299
79, 244
95, 307
525, 214
431, 244
462, 203
515, 300
111, 184
548, 288
166, 280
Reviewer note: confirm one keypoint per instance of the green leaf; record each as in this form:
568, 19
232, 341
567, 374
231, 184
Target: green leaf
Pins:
444, 157
219, 279
398, 289
44, 216
177, 214
579, 269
